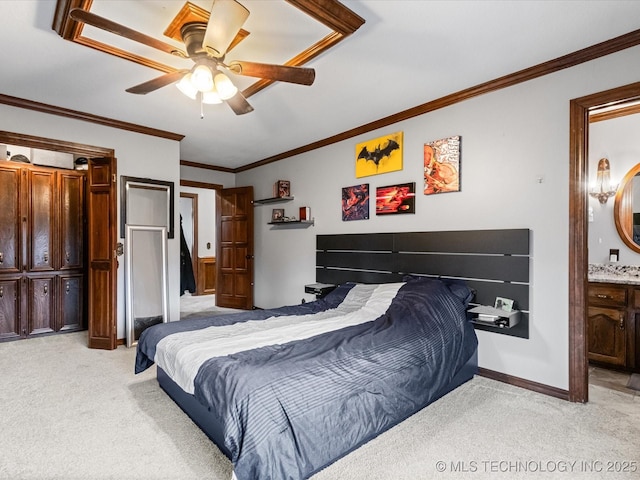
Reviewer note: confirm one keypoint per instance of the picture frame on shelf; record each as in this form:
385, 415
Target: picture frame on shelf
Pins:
282, 188
277, 215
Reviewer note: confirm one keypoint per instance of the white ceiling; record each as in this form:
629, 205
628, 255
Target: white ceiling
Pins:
407, 53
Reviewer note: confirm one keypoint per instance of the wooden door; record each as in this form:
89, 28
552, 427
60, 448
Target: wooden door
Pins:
234, 263
10, 220
101, 258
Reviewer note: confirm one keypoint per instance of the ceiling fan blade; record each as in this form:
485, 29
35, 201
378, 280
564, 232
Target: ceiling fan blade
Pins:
239, 104
225, 20
157, 82
102, 23
282, 73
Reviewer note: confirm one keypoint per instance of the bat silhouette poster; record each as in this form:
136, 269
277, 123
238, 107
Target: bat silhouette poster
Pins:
381, 155
442, 166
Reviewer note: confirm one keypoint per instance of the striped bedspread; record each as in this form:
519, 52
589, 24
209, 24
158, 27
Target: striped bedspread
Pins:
298, 387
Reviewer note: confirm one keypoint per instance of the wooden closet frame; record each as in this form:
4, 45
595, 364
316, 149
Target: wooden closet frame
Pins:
101, 216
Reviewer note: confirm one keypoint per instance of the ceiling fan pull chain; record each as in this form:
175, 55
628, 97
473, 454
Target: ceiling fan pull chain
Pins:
201, 107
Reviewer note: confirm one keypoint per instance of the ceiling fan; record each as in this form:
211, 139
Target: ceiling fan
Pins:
206, 44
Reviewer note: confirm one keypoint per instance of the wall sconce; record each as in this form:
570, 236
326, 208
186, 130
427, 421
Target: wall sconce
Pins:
603, 189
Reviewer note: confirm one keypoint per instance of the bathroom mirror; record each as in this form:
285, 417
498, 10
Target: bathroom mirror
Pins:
626, 210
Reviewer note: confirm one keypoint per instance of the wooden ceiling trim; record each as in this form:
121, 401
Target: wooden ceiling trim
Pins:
302, 58
31, 141
587, 54
206, 166
86, 117
331, 13
63, 24
103, 47
194, 184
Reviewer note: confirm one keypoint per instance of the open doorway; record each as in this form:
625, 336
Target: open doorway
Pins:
614, 249
580, 110
197, 212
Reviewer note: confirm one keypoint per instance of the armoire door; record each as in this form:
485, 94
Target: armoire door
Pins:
10, 306
71, 306
41, 305
41, 228
10, 220
71, 195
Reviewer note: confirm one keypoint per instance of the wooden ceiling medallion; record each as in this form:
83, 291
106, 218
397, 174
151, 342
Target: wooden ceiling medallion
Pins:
330, 13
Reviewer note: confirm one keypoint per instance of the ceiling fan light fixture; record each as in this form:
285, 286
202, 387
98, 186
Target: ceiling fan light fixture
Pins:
226, 19
225, 86
202, 78
185, 85
212, 97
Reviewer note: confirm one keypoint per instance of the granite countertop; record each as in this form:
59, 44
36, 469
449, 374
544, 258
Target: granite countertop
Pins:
614, 273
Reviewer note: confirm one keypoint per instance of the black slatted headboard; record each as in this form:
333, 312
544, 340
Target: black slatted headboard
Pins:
495, 263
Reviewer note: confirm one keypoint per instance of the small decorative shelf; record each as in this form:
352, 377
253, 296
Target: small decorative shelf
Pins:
293, 223
265, 201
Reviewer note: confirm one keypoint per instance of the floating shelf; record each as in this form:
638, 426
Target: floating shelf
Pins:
293, 223
265, 201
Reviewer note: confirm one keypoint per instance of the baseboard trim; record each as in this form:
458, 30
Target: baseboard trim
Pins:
523, 383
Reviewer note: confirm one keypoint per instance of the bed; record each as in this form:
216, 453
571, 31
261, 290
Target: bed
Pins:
286, 392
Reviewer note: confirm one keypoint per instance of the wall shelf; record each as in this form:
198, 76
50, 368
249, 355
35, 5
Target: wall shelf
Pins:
265, 201
293, 223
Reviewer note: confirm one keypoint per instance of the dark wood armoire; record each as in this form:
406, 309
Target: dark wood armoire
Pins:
42, 254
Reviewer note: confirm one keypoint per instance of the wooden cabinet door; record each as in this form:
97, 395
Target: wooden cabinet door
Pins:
10, 306
70, 294
41, 220
10, 220
607, 335
71, 194
41, 305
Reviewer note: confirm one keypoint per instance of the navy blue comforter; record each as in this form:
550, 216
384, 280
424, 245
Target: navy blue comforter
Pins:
290, 410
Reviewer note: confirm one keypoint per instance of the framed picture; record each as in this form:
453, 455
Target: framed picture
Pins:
505, 304
380, 155
395, 199
355, 202
277, 215
282, 188
442, 165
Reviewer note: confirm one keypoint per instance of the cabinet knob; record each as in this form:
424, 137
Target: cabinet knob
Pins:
67, 288
46, 257
67, 257
1, 258
1, 292
46, 289
621, 324
600, 295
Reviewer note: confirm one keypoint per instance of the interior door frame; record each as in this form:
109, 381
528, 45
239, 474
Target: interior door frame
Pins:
580, 109
108, 338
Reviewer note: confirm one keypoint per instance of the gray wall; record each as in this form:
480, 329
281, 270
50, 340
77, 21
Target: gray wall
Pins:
515, 174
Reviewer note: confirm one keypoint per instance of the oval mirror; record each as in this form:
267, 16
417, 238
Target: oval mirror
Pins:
626, 210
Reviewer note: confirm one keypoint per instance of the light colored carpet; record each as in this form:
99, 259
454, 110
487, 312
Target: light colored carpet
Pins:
68, 412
